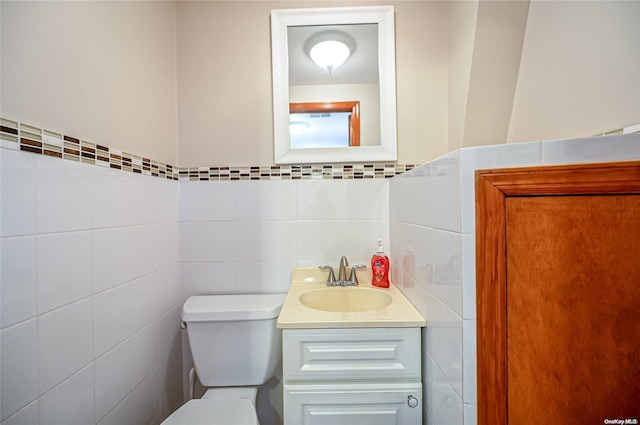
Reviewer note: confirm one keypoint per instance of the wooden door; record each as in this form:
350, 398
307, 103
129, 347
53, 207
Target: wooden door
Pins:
558, 281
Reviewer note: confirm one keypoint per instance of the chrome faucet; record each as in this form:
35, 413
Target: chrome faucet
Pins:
342, 271
342, 274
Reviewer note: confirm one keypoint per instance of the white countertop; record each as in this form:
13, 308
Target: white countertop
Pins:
400, 313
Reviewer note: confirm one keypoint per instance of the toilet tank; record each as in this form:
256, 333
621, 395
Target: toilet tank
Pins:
233, 338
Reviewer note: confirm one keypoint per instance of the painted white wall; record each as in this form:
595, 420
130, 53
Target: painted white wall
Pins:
90, 294
432, 225
225, 67
461, 33
421, 80
495, 63
525, 70
167, 79
579, 73
101, 71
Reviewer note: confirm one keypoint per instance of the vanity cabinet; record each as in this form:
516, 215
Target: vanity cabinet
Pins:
352, 376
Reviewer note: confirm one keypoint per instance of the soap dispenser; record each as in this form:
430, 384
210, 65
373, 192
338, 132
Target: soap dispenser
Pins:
380, 267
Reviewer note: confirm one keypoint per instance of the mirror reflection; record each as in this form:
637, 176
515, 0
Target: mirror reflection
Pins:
334, 85
345, 71
324, 124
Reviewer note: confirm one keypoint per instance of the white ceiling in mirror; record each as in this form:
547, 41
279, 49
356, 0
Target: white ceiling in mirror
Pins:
290, 30
361, 67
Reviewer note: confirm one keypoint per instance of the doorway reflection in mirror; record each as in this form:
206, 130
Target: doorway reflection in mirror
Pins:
320, 130
324, 124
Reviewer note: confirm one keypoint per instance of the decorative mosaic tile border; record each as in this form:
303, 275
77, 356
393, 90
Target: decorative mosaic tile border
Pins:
294, 172
19, 136
24, 137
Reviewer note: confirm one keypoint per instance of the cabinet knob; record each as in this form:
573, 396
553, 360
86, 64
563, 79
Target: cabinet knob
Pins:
412, 401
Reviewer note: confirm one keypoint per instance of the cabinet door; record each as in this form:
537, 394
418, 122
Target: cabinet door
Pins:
353, 404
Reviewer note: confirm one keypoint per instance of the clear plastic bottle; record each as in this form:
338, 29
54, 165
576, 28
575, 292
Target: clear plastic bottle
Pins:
380, 267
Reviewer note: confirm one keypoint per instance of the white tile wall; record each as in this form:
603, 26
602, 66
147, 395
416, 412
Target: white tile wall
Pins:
145, 401
432, 222
63, 269
112, 378
144, 301
63, 197
19, 371
426, 245
267, 200
19, 181
469, 361
428, 391
592, 149
144, 347
223, 238
468, 276
90, 269
444, 405
64, 343
111, 318
18, 280
71, 402
26, 416
245, 236
470, 414
250, 276
122, 414
111, 200
111, 260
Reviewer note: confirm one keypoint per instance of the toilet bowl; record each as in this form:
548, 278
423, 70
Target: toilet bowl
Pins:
236, 348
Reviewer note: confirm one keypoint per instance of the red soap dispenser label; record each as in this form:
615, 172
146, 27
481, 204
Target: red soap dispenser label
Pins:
380, 268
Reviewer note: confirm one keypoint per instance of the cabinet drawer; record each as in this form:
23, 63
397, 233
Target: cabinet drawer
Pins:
353, 404
365, 354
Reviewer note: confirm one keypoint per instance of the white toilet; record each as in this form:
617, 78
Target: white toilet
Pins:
236, 347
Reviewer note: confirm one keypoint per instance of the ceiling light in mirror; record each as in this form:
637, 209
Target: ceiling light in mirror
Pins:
329, 54
328, 49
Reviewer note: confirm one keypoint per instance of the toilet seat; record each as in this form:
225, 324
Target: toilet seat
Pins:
211, 411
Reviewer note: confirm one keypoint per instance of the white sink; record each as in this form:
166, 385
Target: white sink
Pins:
346, 299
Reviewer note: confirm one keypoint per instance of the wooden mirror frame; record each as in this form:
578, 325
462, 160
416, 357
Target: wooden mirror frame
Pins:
329, 107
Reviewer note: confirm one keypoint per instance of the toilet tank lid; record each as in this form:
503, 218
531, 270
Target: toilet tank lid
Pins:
211, 308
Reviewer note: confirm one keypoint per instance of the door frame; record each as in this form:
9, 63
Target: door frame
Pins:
492, 187
352, 107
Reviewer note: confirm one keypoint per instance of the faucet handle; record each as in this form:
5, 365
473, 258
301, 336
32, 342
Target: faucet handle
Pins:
353, 279
331, 279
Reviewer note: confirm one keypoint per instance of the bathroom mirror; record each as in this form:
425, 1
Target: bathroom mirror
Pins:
369, 35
